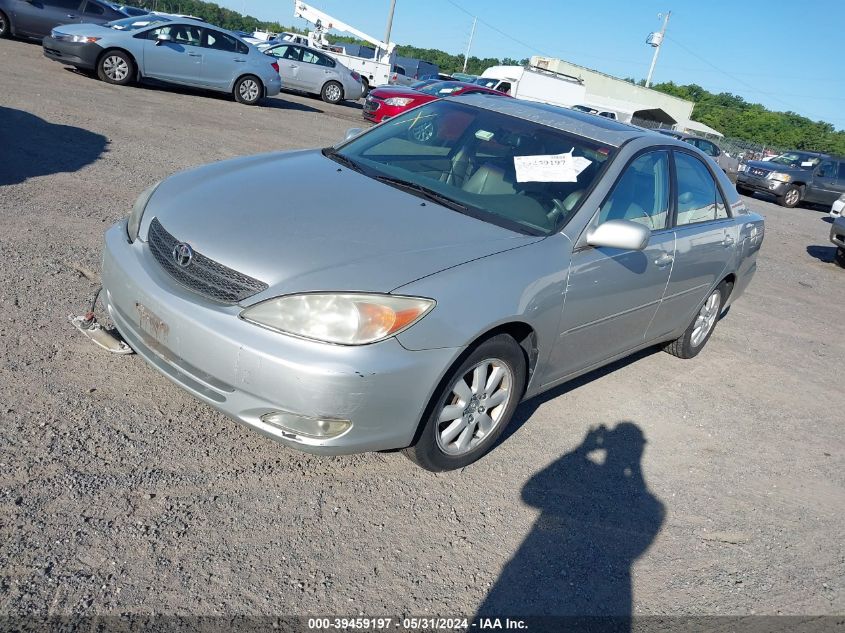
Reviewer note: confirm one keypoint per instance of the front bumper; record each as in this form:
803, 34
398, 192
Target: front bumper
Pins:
377, 110
761, 185
247, 371
79, 54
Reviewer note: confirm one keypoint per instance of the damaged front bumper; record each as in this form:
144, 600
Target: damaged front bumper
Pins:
250, 373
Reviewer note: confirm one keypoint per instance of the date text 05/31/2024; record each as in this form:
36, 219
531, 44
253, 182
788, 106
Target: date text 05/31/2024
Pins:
414, 624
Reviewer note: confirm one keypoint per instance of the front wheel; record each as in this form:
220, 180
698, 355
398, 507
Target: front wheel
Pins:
791, 197
840, 256
116, 67
248, 90
692, 341
332, 92
4, 26
473, 406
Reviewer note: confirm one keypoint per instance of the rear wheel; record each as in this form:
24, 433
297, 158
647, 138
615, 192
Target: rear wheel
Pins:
791, 197
332, 92
473, 406
4, 26
693, 340
366, 85
248, 90
116, 67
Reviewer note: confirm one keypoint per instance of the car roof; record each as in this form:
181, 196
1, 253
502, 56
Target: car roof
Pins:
597, 128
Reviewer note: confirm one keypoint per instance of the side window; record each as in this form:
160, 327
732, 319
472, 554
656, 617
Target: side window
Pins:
220, 41
722, 212
641, 194
91, 8
183, 34
309, 58
827, 169
504, 87
325, 60
243, 49
697, 190
286, 52
709, 148
842, 171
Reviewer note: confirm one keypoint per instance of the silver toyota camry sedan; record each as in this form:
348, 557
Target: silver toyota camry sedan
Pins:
421, 279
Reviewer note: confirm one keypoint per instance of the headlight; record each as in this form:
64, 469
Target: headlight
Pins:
398, 101
779, 176
742, 167
344, 319
137, 214
83, 39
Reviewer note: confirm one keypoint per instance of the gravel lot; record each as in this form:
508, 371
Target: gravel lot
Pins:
120, 493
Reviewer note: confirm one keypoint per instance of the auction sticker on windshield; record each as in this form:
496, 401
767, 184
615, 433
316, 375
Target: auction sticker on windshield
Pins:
550, 167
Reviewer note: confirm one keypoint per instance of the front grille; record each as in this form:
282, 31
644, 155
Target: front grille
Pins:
371, 105
202, 275
756, 171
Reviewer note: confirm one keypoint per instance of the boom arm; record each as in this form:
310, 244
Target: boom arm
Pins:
315, 16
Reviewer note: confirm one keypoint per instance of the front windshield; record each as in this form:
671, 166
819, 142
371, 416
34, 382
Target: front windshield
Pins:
442, 88
508, 171
139, 22
796, 159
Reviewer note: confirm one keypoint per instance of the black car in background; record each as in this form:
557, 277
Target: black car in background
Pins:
36, 18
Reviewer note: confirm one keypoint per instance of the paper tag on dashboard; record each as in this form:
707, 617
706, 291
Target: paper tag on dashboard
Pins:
550, 167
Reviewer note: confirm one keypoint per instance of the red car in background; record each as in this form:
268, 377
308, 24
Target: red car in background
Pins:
387, 102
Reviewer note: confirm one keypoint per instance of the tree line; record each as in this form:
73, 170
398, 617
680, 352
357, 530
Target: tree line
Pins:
726, 112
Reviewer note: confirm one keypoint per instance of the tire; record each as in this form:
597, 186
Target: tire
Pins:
498, 363
790, 198
840, 256
332, 92
5, 27
366, 85
248, 90
691, 342
743, 191
116, 67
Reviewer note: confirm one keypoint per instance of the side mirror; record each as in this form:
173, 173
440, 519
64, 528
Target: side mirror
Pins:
163, 37
352, 133
622, 234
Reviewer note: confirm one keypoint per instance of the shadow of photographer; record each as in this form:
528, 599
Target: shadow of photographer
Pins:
597, 517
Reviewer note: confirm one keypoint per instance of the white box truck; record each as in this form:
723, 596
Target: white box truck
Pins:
535, 84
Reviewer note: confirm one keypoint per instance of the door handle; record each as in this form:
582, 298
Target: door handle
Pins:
728, 241
664, 260
194, 54
71, 16
239, 61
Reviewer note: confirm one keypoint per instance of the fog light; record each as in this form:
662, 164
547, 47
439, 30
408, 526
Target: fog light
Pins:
315, 428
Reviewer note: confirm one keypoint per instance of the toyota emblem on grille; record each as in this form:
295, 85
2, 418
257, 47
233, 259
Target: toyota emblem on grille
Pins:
183, 254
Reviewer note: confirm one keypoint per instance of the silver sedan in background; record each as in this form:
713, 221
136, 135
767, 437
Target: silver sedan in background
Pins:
410, 290
306, 69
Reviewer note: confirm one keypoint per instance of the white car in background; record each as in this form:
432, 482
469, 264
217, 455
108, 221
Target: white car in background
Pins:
838, 208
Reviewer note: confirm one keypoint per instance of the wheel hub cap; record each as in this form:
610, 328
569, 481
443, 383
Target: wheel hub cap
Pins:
475, 407
706, 319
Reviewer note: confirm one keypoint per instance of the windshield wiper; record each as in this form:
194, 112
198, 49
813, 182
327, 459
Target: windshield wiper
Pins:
332, 153
431, 194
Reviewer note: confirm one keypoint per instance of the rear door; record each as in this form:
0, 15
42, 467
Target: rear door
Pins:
177, 61
224, 59
705, 236
314, 71
39, 17
612, 294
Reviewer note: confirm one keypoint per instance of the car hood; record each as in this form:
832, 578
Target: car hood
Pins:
300, 222
770, 166
86, 29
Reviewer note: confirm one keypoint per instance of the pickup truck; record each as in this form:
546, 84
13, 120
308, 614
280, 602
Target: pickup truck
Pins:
795, 177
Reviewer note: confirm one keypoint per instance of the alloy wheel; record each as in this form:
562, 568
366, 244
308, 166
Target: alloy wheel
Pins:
791, 197
706, 318
249, 90
475, 406
115, 68
333, 93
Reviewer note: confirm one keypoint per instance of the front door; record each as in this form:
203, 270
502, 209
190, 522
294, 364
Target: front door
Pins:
612, 295
825, 189
178, 60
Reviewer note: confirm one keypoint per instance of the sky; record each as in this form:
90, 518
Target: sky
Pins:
784, 54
